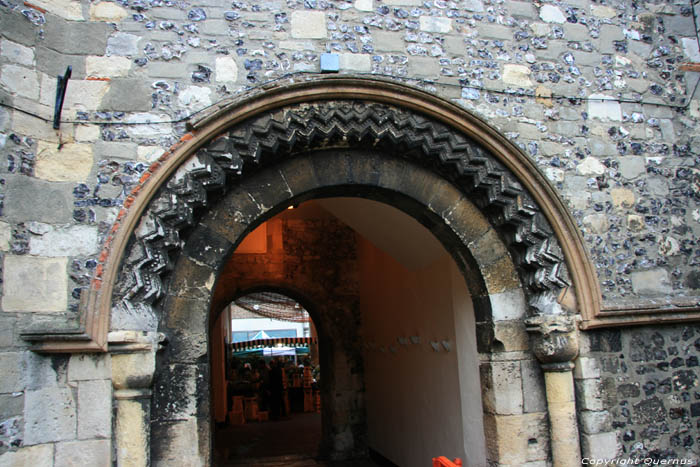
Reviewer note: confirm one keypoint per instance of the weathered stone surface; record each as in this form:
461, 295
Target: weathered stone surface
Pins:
128, 95
651, 282
595, 422
29, 199
502, 388
85, 94
17, 53
13, 371
552, 14
507, 437
70, 163
94, 409
364, 5
586, 367
603, 11
83, 453
5, 236
78, 240
49, 415
35, 284
632, 167
226, 69
600, 445
622, 198
517, 75
534, 397
308, 25
75, 37
508, 305
20, 81
67, 9
82, 367
39, 455
603, 107
195, 97
107, 11
107, 67
596, 223
590, 166
121, 43
435, 24
355, 62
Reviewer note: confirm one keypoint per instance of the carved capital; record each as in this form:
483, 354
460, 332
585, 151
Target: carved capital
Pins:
554, 340
134, 359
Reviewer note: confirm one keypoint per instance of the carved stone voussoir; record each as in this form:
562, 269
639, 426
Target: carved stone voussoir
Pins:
270, 136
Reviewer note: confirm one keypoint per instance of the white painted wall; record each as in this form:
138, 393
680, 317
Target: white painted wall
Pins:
420, 403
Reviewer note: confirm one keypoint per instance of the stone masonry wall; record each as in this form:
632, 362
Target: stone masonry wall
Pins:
638, 393
590, 90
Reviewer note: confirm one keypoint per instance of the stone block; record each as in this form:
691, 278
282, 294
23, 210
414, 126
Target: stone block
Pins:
95, 409
5, 236
71, 163
512, 335
124, 44
29, 199
355, 62
107, 67
127, 95
148, 125
495, 31
35, 284
82, 367
77, 240
436, 24
593, 422
534, 398
195, 97
603, 446
589, 395
308, 25
107, 11
424, 66
86, 95
391, 42
508, 305
83, 453
37, 456
604, 108
364, 5
651, 282
509, 438
20, 81
44, 371
502, 389
590, 166
15, 27
49, 415
586, 367
226, 70
76, 38
524, 9
517, 75
605, 12
596, 223
552, 14
632, 167
17, 53
66, 9
54, 63
12, 369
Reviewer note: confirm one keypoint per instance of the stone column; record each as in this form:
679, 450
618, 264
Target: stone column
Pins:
555, 344
133, 366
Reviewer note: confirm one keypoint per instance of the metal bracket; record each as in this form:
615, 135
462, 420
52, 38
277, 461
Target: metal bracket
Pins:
61, 85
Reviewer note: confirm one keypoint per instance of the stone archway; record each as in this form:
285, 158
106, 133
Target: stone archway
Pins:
494, 211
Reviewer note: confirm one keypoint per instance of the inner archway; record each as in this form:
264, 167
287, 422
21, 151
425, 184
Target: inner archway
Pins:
414, 349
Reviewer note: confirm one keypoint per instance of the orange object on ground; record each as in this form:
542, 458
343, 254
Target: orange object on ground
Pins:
443, 461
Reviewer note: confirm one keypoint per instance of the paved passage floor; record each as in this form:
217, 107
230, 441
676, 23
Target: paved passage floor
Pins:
292, 442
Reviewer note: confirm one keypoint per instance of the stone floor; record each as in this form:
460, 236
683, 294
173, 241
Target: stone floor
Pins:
292, 442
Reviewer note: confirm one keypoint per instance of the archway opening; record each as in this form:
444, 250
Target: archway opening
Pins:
399, 374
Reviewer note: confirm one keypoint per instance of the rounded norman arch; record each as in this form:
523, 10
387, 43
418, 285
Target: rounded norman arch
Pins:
502, 222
